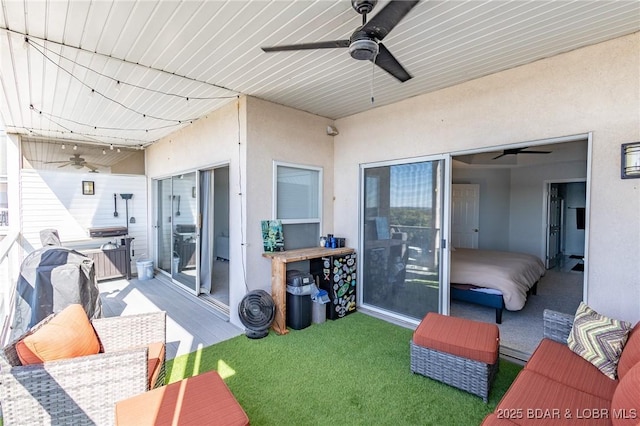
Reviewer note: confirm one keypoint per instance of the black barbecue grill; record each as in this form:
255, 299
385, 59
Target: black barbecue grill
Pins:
112, 231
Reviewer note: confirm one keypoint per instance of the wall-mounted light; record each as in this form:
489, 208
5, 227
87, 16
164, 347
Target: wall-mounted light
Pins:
630, 160
332, 131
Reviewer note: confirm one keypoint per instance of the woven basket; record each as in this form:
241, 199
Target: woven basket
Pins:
466, 374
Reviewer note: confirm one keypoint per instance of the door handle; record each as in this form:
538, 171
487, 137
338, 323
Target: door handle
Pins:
475, 230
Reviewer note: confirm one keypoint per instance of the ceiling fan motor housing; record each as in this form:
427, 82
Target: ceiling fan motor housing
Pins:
363, 6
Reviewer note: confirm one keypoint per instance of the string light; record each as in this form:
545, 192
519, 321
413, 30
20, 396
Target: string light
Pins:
119, 83
44, 49
118, 150
75, 147
63, 147
104, 152
53, 118
111, 147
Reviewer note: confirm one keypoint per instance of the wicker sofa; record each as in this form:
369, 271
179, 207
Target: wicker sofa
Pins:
84, 390
559, 387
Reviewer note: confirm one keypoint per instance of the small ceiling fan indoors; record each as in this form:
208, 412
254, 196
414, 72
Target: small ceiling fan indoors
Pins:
366, 41
76, 162
516, 151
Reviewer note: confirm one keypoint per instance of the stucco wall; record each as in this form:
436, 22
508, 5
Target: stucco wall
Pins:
267, 132
216, 139
278, 133
594, 89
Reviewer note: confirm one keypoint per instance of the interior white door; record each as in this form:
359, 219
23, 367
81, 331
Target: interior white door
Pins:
465, 215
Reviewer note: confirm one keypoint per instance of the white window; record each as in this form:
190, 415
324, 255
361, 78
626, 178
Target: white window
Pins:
298, 204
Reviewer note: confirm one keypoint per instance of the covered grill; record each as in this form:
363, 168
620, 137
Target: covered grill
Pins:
51, 278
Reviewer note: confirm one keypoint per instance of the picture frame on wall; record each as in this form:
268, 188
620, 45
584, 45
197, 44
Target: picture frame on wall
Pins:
87, 187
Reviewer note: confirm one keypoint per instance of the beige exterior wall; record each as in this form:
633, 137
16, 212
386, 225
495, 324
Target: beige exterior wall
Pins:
267, 132
216, 139
594, 89
278, 133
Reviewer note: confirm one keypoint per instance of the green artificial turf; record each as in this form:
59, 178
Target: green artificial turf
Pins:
353, 371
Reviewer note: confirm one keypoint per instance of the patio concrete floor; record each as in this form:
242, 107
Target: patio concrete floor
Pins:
191, 323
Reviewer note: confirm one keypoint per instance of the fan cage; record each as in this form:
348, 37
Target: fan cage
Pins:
257, 310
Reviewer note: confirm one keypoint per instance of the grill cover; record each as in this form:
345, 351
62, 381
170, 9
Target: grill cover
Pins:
51, 278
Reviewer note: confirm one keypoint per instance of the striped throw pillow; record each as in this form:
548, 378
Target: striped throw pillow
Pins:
598, 339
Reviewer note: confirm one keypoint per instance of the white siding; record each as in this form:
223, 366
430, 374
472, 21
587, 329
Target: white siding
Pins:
52, 199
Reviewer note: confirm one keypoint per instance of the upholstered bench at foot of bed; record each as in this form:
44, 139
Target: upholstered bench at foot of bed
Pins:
459, 352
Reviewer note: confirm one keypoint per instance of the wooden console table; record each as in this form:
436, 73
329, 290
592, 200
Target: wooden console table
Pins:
279, 262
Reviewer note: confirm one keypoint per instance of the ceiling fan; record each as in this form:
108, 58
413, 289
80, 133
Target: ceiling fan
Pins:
516, 151
76, 162
365, 42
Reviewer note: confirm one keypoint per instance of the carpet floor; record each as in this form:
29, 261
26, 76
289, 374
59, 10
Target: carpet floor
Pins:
522, 330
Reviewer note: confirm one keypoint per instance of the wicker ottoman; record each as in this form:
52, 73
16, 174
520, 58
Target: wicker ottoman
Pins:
456, 351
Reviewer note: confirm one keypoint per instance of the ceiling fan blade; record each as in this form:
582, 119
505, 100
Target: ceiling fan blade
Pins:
381, 24
305, 46
387, 62
67, 163
499, 156
535, 152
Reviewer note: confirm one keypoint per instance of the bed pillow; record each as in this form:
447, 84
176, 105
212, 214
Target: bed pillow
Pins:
598, 339
68, 334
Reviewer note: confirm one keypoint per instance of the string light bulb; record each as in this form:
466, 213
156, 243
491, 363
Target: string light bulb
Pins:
75, 147
104, 152
63, 147
111, 147
25, 43
118, 150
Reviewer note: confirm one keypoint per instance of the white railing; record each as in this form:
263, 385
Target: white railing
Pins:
9, 268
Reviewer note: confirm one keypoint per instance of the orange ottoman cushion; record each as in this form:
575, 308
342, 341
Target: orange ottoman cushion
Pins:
201, 400
465, 338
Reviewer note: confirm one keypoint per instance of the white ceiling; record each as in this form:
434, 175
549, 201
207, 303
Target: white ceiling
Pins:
209, 51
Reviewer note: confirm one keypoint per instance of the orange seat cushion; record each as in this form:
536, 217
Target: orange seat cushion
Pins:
534, 399
201, 400
155, 359
479, 341
68, 334
558, 362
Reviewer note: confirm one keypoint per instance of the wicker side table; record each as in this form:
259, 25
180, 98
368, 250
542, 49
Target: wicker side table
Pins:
456, 351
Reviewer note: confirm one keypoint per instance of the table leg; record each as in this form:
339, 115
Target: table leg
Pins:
279, 294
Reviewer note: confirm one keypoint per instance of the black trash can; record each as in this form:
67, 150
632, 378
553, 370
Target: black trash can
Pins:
299, 307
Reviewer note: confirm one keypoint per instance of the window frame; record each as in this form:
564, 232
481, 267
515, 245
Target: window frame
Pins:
274, 203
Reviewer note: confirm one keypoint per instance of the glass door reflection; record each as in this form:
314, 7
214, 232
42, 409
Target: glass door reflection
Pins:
185, 230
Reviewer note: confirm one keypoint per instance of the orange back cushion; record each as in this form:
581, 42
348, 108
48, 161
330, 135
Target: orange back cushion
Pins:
630, 353
68, 334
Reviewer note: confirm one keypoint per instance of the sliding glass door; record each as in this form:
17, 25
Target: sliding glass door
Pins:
185, 230
401, 228
192, 232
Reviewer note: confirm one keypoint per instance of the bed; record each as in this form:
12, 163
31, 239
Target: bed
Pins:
497, 279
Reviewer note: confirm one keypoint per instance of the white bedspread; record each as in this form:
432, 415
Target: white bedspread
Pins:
511, 273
